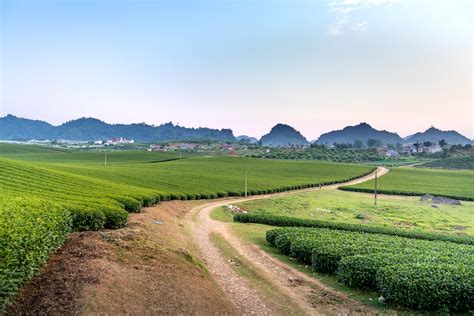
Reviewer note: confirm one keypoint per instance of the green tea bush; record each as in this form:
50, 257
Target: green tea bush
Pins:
30, 230
395, 266
289, 221
88, 218
428, 286
115, 218
130, 204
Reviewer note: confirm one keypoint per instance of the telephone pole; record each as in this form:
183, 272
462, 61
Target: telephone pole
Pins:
105, 158
246, 184
375, 187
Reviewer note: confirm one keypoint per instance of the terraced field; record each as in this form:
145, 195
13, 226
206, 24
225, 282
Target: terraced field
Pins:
416, 181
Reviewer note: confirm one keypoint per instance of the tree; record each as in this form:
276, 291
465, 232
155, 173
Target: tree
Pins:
417, 145
442, 143
358, 144
374, 143
427, 144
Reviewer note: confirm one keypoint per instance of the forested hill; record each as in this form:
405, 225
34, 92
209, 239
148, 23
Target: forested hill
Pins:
86, 129
283, 135
362, 132
434, 135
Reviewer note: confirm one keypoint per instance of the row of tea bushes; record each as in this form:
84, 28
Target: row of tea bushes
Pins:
419, 274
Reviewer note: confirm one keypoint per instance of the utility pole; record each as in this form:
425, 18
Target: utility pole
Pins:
179, 151
375, 187
105, 159
246, 184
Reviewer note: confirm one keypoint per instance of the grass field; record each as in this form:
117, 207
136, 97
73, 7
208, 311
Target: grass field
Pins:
357, 208
418, 181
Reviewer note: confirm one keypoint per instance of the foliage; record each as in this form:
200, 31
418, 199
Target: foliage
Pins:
288, 221
462, 162
415, 273
29, 231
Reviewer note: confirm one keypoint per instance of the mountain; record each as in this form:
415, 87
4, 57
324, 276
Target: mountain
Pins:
247, 139
363, 132
86, 129
283, 135
434, 135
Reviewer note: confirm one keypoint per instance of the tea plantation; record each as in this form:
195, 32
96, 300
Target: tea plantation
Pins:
456, 184
419, 274
46, 193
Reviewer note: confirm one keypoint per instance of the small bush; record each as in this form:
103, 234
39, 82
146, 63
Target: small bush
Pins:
88, 219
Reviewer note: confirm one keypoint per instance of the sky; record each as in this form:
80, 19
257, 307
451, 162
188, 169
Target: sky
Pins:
400, 65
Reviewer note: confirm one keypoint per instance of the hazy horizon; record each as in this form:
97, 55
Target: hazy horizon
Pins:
318, 66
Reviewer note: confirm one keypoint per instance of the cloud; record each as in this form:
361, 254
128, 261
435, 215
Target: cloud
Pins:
344, 9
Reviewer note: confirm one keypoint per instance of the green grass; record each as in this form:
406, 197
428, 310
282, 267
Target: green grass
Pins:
357, 208
417, 181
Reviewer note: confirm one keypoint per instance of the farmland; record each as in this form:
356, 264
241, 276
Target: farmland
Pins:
74, 190
418, 181
460, 162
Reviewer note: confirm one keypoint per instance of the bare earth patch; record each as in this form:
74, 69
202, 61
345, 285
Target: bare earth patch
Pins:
149, 267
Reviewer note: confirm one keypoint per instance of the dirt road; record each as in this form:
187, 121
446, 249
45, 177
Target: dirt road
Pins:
310, 295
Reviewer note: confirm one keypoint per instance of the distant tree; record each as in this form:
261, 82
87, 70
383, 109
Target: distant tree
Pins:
442, 143
427, 144
358, 144
417, 145
374, 143
391, 146
399, 146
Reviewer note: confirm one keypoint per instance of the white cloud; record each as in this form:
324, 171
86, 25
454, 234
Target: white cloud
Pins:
344, 8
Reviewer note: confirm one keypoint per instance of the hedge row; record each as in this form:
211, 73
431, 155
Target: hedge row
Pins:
29, 231
406, 193
288, 221
420, 274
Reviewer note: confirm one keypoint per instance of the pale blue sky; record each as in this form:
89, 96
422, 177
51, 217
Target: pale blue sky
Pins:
247, 65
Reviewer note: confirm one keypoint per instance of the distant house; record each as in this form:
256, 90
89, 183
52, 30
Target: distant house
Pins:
391, 153
98, 142
226, 147
119, 141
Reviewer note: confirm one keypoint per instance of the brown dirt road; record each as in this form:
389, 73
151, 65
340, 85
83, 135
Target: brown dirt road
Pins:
310, 295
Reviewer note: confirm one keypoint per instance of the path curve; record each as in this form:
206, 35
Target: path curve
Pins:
308, 293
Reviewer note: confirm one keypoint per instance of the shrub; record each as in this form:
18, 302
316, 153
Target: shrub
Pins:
115, 218
30, 231
130, 204
88, 219
428, 286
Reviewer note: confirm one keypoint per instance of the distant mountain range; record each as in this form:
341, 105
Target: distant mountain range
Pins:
283, 135
362, 132
87, 129
434, 135
247, 139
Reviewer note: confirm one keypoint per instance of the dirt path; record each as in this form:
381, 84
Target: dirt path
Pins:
310, 295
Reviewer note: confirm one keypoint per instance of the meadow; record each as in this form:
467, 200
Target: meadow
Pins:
356, 208
456, 184
46, 193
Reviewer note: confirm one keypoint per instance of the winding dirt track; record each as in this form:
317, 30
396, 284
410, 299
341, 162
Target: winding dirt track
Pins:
310, 295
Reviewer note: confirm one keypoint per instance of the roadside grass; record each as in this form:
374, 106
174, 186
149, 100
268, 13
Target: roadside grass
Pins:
221, 214
245, 269
357, 208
